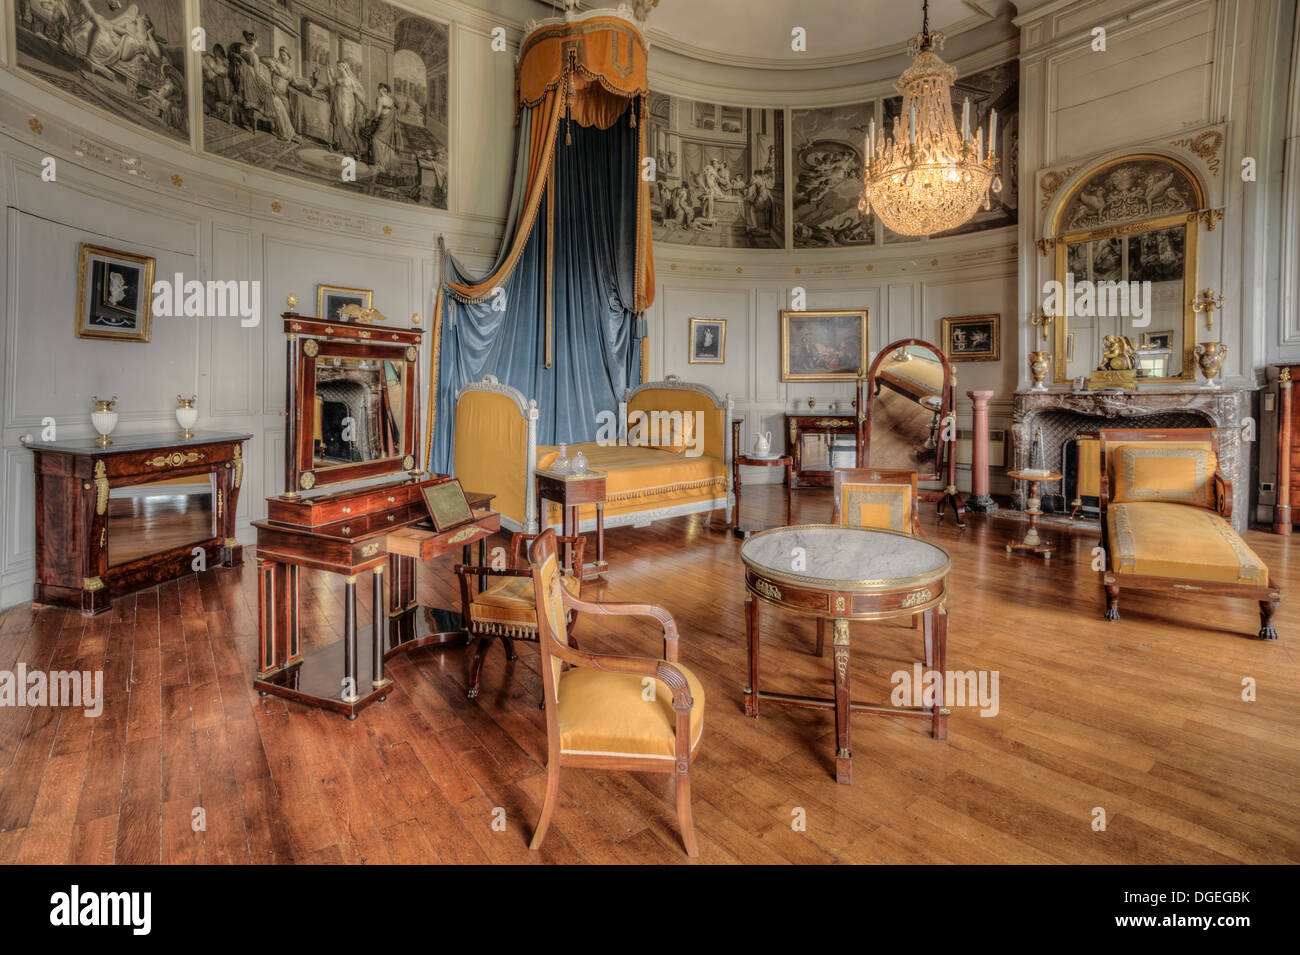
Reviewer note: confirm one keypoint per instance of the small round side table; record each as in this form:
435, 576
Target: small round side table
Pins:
1034, 508
783, 461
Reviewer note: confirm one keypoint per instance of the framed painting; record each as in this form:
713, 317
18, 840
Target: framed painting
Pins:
708, 341
971, 338
114, 294
1163, 339
330, 299
824, 345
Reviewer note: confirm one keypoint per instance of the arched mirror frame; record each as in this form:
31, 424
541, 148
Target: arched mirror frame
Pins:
945, 461
1188, 219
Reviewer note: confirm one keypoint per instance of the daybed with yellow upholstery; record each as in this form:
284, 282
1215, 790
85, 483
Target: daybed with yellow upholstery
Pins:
1164, 511
496, 451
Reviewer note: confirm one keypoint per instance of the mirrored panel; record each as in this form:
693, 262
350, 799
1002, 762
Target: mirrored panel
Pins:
359, 411
148, 519
1117, 267
907, 408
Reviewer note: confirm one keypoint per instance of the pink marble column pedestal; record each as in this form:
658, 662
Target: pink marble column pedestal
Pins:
979, 500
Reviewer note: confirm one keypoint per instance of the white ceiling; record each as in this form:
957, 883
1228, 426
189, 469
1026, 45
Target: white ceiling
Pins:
761, 29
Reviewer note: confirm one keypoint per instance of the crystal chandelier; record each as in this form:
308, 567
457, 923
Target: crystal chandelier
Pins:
926, 178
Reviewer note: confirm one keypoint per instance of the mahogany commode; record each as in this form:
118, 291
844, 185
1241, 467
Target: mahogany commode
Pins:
73, 480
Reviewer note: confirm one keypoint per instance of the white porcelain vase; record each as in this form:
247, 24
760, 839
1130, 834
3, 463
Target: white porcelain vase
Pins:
187, 415
104, 418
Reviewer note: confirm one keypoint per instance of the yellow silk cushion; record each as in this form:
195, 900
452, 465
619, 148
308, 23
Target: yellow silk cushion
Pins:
1159, 539
886, 506
603, 713
491, 449
1182, 473
1089, 467
511, 600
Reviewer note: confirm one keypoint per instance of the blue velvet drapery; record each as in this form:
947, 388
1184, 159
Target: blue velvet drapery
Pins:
592, 278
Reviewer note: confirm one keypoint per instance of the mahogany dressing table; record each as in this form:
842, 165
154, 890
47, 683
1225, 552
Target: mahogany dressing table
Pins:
353, 422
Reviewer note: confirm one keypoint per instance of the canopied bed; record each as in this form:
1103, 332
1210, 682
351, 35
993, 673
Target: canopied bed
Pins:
495, 450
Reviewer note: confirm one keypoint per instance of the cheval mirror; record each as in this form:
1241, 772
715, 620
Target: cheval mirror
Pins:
909, 395
353, 401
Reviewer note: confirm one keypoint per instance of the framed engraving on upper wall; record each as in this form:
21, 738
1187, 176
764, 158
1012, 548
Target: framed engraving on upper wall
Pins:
350, 94
825, 345
125, 60
719, 174
827, 156
114, 294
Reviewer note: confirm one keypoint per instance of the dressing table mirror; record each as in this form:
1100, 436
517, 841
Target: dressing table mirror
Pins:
353, 401
906, 404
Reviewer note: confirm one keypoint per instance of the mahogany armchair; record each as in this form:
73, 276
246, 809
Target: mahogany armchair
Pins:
504, 610
612, 712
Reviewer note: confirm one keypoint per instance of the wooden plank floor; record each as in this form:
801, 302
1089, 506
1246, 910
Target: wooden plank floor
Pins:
1143, 718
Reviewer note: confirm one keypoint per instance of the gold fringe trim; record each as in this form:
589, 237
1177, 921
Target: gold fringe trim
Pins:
666, 489
433, 369
496, 629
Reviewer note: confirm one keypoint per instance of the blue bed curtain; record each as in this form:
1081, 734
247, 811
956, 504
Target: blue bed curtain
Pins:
589, 264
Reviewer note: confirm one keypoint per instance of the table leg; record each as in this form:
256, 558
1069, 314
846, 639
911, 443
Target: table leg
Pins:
788, 502
569, 529
735, 514
600, 534
482, 562
751, 632
843, 751
350, 694
939, 721
378, 625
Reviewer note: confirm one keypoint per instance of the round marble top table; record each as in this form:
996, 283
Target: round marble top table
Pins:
841, 574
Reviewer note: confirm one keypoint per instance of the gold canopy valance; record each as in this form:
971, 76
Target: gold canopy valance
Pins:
602, 61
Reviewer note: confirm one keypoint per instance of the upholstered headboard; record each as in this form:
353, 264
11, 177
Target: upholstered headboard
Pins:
494, 447
673, 394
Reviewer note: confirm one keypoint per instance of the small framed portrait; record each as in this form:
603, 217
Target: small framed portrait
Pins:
114, 294
971, 338
331, 299
1158, 339
708, 341
447, 505
826, 345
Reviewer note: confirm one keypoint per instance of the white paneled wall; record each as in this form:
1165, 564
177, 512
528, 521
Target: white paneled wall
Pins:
899, 306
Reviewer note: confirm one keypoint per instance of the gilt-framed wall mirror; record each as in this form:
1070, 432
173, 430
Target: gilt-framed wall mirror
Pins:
1128, 222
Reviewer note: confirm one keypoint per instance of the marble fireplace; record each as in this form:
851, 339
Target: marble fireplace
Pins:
1064, 414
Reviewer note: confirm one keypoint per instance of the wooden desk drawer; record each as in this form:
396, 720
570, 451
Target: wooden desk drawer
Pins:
424, 544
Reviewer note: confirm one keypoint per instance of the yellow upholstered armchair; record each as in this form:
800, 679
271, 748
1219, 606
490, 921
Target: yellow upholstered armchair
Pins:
612, 712
875, 497
1164, 521
504, 609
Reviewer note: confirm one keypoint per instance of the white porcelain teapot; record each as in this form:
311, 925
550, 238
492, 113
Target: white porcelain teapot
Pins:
763, 444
